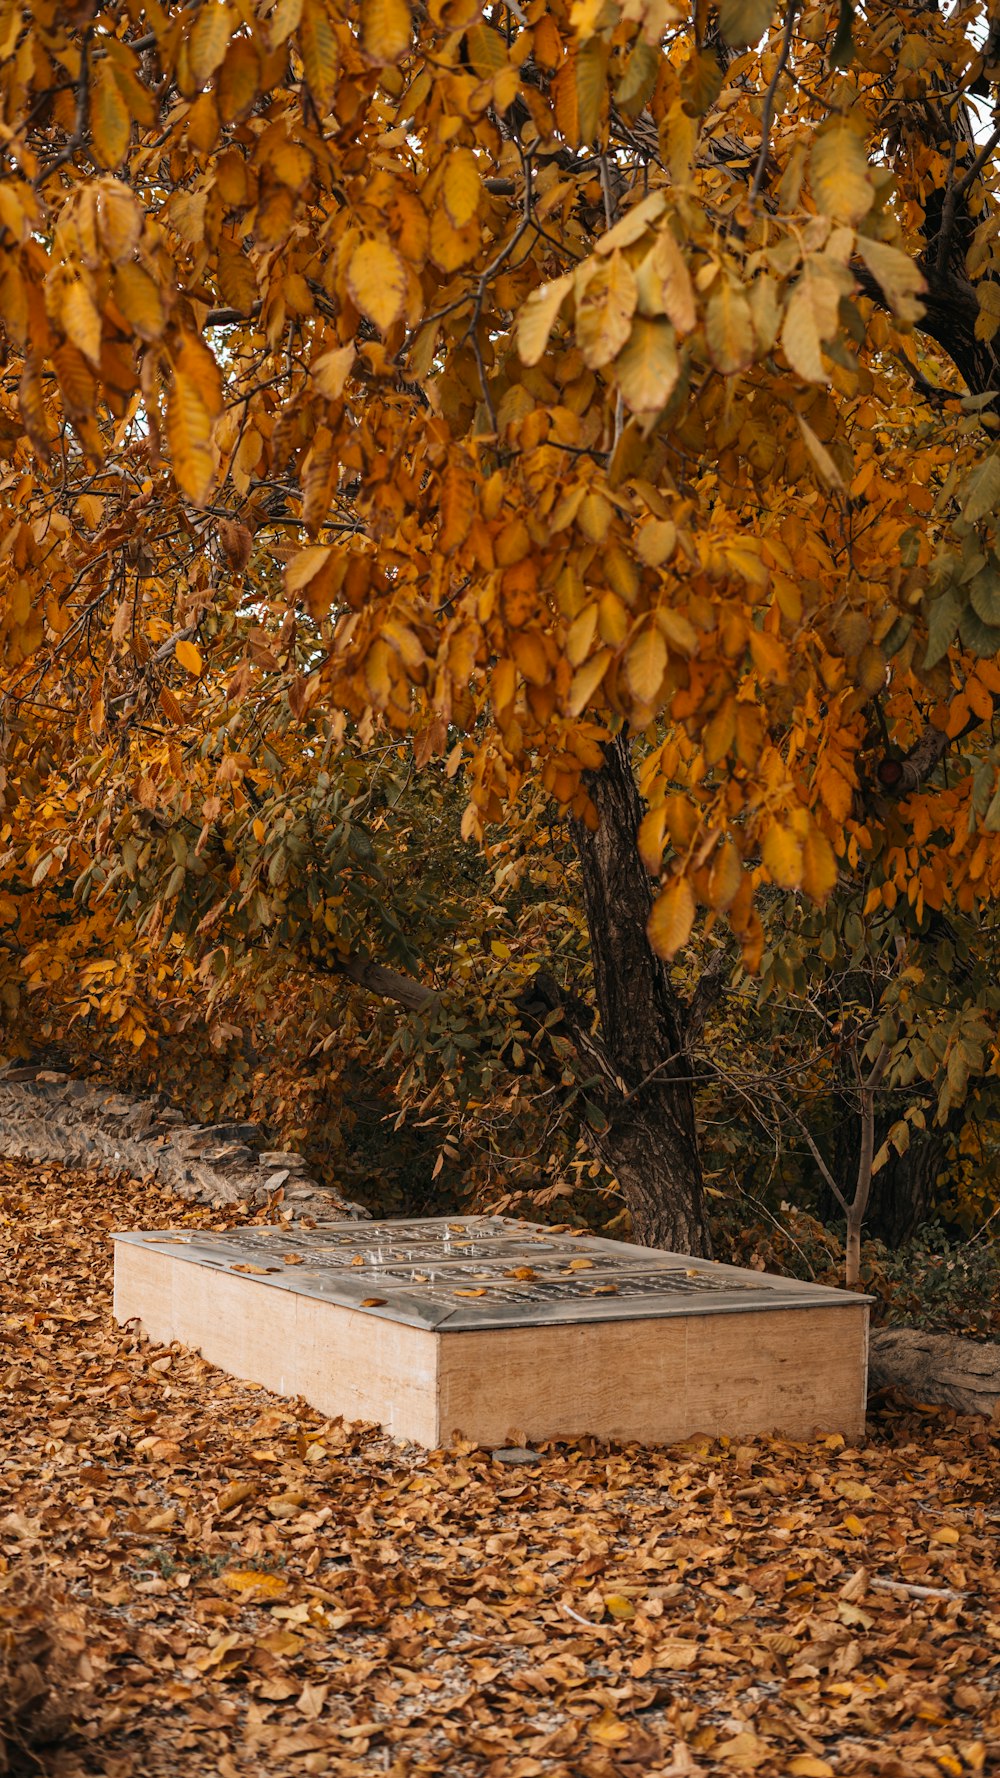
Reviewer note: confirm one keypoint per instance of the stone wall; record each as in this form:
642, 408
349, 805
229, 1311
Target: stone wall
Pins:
51, 1117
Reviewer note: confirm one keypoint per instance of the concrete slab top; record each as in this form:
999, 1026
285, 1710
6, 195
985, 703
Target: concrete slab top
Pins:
456, 1274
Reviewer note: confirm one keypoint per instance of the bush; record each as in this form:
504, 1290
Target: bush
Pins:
932, 1280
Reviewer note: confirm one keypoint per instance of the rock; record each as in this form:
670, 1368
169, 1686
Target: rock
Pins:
515, 1454
233, 1132
48, 1116
233, 1154
960, 1374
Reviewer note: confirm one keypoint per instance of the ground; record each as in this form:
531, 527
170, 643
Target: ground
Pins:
243, 1586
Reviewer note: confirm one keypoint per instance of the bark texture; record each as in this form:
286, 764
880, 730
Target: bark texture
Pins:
640, 1047
938, 1368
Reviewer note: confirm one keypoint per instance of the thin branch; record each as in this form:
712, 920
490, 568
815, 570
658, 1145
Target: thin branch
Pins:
817, 1157
767, 115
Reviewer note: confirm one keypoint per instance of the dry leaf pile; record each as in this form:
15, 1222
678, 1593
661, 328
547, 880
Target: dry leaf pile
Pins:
264, 1590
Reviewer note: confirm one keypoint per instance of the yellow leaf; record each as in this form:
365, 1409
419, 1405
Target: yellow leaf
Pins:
234, 1495
451, 247
664, 282
210, 34
820, 456
648, 368
899, 279
645, 664
819, 866
529, 652
810, 318
331, 370
76, 380
385, 30
239, 81
194, 362
605, 304
619, 1607
782, 854
303, 567
729, 329
188, 657
138, 298
650, 838
720, 732
458, 505
378, 676
746, 1751
680, 633
461, 186
189, 436
590, 67
839, 172
769, 656
580, 635
657, 541
320, 53
671, 918
725, 876
376, 279
110, 122
674, 1654
854, 1525
806, 1765
586, 680
80, 319
254, 1583
946, 1534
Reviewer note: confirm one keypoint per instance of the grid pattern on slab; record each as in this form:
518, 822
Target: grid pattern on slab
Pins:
457, 1274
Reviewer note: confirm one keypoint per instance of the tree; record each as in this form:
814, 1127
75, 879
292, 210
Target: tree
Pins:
541, 388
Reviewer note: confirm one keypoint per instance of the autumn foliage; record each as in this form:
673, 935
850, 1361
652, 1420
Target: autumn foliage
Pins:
483, 383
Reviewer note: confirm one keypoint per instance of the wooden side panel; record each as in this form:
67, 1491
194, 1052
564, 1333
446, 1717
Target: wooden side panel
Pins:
792, 1371
341, 1361
144, 1289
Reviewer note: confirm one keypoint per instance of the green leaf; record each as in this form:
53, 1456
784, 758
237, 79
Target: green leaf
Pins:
983, 639
984, 592
943, 616
982, 490
991, 819
842, 48
744, 22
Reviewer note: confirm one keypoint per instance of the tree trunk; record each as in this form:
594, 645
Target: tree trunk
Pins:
903, 1193
642, 1067
940, 1368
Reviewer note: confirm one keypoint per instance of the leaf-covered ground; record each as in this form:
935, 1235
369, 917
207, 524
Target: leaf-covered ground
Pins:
248, 1587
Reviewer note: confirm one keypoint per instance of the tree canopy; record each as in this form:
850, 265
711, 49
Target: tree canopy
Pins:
390, 387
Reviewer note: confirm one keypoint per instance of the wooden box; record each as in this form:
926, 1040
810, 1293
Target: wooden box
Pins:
494, 1330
